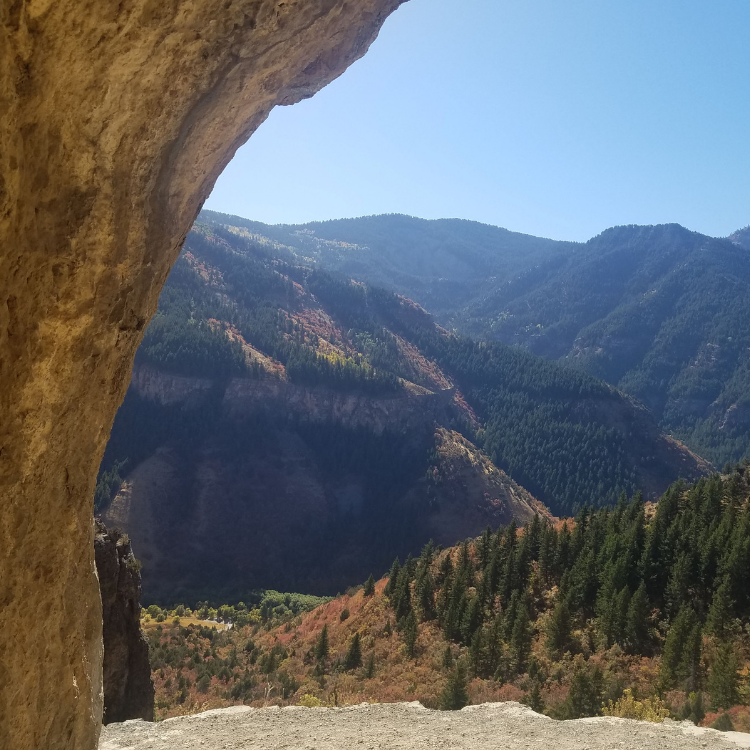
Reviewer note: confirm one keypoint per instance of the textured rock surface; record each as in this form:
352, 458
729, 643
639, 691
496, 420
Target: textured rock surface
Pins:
115, 120
128, 688
491, 726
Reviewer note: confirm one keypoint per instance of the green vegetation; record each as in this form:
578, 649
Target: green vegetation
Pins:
661, 312
613, 579
608, 613
658, 311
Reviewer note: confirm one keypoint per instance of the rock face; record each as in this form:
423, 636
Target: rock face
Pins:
115, 121
370, 727
128, 688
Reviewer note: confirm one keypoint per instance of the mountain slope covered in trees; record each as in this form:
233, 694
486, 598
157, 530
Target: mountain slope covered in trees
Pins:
639, 608
661, 312
277, 406
443, 264
658, 311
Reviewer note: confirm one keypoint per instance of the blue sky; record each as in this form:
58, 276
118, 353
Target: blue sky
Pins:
554, 118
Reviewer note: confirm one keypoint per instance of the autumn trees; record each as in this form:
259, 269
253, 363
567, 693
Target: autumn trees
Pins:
668, 581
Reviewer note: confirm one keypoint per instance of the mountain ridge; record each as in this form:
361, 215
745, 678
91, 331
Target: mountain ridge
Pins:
659, 311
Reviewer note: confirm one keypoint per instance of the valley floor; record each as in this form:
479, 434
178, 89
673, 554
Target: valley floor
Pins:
407, 725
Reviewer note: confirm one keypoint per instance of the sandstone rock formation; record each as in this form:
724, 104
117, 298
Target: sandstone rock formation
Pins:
128, 687
115, 120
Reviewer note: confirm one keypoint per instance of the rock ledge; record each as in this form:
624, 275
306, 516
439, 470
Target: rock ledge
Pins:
408, 725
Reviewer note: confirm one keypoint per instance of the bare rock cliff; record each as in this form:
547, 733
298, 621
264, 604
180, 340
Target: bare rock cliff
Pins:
128, 687
115, 120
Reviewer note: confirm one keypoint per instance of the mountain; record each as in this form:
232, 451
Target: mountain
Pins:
639, 602
276, 407
660, 312
741, 237
442, 264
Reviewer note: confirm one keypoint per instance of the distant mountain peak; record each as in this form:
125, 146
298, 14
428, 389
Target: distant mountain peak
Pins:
741, 237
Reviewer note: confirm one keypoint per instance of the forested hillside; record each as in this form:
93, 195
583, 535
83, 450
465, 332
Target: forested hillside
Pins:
639, 611
443, 264
277, 406
660, 312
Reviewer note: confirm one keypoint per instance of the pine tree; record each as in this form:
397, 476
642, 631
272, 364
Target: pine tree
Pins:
689, 670
369, 589
585, 696
425, 592
401, 596
636, 622
477, 654
673, 656
719, 614
534, 698
353, 658
558, 630
454, 696
521, 637
392, 578
370, 667
321, 647
471, 621
693, 709
448, 658
484, 546
410, 634
723, 681
679, 583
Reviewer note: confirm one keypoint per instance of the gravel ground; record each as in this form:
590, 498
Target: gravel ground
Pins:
505, 726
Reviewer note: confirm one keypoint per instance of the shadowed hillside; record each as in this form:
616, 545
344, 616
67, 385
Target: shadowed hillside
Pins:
276, 407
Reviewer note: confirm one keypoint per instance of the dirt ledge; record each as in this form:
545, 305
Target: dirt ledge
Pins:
407, 725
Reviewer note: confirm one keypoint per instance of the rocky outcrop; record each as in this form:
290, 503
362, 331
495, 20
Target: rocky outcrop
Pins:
243, 397
128, 688
115, 120
371, 727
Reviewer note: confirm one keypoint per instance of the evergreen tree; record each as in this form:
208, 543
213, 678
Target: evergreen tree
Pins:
321, 647
401, 596
425, 592
521, 637
693, 709
392, 578
454, 696
485, 545
723, 681
369, 589
557, 633
636, 622
477, 654
448, 658
370, 667
534, 698
723, 723
585, 696
410, 634
471, 621
353, 658
719, 615
689, 669
672, 655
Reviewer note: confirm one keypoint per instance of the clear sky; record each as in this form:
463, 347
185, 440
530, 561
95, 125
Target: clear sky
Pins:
558, 118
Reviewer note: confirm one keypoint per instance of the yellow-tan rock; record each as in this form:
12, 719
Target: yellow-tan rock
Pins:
116, 117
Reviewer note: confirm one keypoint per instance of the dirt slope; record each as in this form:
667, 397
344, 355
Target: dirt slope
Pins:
407, 725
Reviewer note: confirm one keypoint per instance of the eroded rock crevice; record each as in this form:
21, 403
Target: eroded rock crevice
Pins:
115, 121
